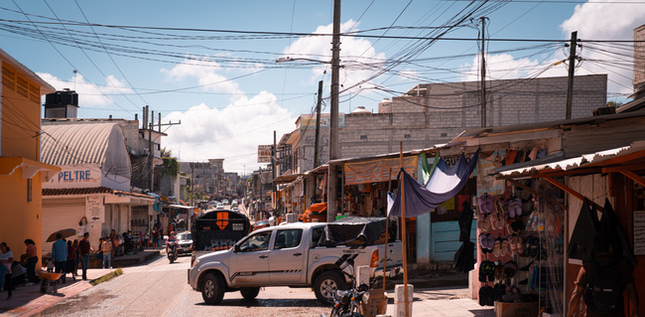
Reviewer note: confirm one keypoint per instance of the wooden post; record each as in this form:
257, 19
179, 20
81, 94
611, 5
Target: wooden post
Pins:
404, 233
387, 239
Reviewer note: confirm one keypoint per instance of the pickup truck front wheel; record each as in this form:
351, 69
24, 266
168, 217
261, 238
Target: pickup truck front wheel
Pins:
213, 289
327, 284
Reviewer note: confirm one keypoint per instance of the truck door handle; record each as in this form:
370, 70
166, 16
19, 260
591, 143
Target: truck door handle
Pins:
297, 254
263, 256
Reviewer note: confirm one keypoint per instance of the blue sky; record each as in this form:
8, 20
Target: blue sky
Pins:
229, 93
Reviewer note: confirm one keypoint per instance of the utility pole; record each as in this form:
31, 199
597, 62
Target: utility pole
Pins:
192, 184
151, 154
151, 126
317, 141
483, 73
274, 150
334, 148
572, 64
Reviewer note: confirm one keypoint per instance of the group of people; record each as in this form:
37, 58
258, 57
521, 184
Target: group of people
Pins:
67, 254
7, 264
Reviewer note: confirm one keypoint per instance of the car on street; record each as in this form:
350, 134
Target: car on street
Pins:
261, 224
184, 243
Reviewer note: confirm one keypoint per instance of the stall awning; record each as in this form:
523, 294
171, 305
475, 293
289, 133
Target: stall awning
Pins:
288, 178
181, 207
557, 162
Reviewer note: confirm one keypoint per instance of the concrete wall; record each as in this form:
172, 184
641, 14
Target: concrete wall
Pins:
441, 111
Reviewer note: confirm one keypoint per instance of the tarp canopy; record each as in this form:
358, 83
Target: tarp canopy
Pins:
445, 182
359, 230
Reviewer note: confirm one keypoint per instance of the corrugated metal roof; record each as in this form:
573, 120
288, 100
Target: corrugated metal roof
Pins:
573, 162
91, 191
82, 143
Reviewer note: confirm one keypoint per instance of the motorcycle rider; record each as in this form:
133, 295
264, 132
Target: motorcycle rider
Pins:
171, 242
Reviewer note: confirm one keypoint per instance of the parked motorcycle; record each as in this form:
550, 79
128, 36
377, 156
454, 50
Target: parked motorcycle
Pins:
347, 303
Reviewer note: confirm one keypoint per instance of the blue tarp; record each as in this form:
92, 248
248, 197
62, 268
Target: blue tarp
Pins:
444, 183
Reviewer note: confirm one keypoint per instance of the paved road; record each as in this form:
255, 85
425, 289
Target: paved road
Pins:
160, 289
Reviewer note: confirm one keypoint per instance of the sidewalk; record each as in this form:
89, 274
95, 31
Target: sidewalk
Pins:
28, 300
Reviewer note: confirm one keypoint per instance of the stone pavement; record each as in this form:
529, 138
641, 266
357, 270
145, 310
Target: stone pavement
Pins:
29, 300
442, 302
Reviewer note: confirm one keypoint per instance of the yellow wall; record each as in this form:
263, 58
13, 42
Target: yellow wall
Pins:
20, 115
20, 128
20, 219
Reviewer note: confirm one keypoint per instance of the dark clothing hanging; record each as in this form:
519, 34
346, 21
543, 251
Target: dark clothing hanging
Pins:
464, 259
465, 222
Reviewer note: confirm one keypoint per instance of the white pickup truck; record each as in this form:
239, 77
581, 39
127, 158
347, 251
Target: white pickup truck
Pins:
294, 255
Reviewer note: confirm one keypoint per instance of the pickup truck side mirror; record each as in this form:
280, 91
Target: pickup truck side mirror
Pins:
236, 248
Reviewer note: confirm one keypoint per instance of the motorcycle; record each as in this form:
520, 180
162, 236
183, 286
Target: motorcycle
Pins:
172, 252
347, 303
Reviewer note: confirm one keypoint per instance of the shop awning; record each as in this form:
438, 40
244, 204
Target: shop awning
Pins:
8, 165
181, 207
288, 178
621, 156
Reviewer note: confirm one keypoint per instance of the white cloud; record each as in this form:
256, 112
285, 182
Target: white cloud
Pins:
232, 133
206, 72
89, 95
358, 57
607, 21
505, 66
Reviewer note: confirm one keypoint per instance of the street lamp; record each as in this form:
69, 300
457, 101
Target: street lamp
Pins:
291, 59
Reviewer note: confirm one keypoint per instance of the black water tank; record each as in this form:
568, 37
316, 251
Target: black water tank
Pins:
63, 98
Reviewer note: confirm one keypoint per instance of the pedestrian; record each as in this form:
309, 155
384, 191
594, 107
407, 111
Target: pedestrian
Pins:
155, 237
85, 250
32, 260
77, 259
59, 254
146, 238
6, 259
71, 259
106, 248
114, 239
601, 282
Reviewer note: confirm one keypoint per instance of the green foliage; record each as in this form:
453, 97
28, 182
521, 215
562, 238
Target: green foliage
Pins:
170, 166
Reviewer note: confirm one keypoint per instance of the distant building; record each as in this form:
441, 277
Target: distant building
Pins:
207, 178
430, 114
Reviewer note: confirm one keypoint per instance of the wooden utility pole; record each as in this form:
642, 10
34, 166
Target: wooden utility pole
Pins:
572, 64
151, 154
317, 141
483, 73
334, 148
404, 233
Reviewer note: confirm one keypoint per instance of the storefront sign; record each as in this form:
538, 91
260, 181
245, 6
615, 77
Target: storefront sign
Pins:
264, 153
639, 232
378, 170
76, 176
95, 208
